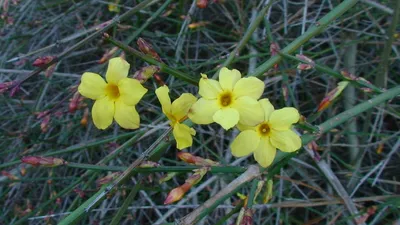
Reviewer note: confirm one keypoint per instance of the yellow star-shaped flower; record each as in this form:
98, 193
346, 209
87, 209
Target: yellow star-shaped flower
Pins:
229, 101
177, 113
272, 133
115, 98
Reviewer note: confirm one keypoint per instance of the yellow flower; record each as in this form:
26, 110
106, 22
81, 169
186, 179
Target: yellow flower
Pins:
274, 132
177, 113
229, 101
115, 98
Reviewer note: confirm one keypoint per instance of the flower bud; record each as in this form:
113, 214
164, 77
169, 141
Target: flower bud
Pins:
107, 179
248, 217
202, 4
197, 175
177, 193
145, 73
332, 95
148, 164
147, 49
41, 61
348, 75
74, 102
5, 86
274, 50
44, 125
85, 116
108, 55
268, 193
43, 161
167, 177
9, 175
198, 24
196, 160
305, 66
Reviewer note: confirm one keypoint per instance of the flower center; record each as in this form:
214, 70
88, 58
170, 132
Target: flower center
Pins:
225, 99
263, 129
112, 91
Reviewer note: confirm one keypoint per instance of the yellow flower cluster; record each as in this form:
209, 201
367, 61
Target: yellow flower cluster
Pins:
231, 101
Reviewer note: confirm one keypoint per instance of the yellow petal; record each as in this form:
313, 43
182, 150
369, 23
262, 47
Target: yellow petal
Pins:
286, 141
209, 88
117, 69
243, 127
181, 105
163, 97
92, 86
249, 86
103, 112
203, 110
227, 117
126, 115
245, 143
282, 119
250, 111
267, 107
265, 152
131, 91
228, 78
183, 135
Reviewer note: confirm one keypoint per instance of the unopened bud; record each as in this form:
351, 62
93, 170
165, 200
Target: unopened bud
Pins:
43, 161
74, 102
202, 4
196, 160
268, 193
108, 55
147, 49
177, 193
85, 116
113, 7
6, 85
9, 175
80, 193
348, 75
44, 125
274, 50
197, 24
145, 73
247, 217
49, 71
22, 170
332, 95
107, 179
148, 164
197, 175
167, 177
41, 61
305, 66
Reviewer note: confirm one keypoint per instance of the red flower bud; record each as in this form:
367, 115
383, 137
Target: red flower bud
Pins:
147, 49
177, 193
41, 61
202, 4
43, 161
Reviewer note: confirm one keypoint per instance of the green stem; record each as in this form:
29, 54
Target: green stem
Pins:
314, 30
78, 147
163, 67
157, 146
329, 71
381, 79
117, 19
249, 32
125, 205
186, 168
252, 193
